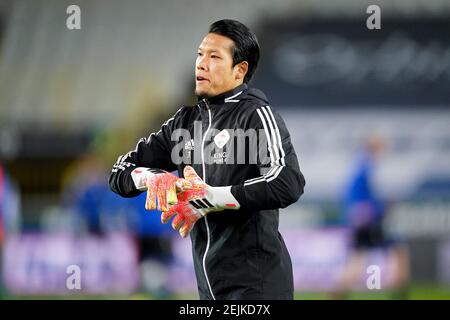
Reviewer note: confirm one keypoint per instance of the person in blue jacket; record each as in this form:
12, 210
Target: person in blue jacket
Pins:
363, 214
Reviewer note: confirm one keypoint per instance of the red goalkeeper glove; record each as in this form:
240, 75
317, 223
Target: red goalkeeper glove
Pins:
196, 202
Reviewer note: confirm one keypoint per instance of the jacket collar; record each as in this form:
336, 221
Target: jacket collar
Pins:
229, 96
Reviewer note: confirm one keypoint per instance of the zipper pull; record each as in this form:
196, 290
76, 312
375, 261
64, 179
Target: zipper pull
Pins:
205, 101
202, 103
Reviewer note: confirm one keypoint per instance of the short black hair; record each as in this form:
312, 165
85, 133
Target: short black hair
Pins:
246, 46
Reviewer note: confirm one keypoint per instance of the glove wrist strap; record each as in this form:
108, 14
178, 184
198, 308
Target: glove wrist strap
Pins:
141, 175
223, 198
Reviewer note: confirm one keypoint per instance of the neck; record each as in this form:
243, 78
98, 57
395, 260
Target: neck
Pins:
226, 94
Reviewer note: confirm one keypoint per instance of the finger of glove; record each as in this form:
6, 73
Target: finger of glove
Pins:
171, 193
150, 201
161, 195
190, 174
186, 229
165, 216
182, 185
178, 222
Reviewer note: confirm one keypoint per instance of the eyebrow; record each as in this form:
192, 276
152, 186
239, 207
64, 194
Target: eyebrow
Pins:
210, 50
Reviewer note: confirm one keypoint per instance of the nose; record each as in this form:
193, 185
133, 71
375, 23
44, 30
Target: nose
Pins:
202, 63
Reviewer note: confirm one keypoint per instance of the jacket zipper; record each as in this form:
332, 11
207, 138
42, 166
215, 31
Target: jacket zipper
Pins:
205, 218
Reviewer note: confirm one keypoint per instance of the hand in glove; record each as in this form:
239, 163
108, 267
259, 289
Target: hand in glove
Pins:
196, 202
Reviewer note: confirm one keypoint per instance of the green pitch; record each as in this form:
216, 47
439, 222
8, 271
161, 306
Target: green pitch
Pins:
416, 292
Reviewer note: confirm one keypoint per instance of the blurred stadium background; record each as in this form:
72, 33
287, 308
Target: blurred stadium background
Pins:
71, 101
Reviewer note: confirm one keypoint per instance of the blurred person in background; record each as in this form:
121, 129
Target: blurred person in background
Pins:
9, 214
154, 242
98, 212
239, 252
2, 209
84, 193
363, 214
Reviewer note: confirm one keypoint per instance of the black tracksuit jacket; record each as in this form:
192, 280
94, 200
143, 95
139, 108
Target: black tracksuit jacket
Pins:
238, 254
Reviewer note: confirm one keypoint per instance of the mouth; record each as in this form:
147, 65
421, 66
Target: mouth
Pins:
200, 79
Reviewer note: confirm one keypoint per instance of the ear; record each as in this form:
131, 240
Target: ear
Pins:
241, 70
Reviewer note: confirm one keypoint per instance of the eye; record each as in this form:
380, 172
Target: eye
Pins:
214, 56
199, 54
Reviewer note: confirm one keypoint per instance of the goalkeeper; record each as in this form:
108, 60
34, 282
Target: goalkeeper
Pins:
229, 208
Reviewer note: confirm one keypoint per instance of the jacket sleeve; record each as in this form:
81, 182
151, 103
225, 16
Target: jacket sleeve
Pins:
152, 152
281, 182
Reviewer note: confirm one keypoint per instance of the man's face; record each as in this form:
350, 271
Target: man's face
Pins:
214, 71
